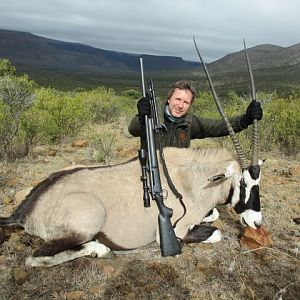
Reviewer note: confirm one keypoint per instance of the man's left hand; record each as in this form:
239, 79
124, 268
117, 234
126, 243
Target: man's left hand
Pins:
253, 112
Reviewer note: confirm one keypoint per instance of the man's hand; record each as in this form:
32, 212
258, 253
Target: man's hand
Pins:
253, 112
144, 108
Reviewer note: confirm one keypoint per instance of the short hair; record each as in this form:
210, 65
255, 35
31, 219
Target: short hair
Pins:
182, 85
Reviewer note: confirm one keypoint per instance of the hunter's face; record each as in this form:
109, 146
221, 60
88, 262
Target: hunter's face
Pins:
180, 102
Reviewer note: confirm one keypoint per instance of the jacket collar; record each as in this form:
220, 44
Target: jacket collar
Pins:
183, 120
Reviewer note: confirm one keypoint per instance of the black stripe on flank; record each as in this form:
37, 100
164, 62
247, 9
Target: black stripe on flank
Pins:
29, 202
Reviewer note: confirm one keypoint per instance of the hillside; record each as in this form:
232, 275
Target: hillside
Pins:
25, 49
65, 65
262, 57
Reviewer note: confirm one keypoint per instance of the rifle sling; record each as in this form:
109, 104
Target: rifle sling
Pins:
170, 182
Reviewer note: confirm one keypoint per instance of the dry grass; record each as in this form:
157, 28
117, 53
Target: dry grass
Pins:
221, 271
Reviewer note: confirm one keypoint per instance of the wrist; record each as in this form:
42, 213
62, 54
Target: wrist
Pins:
244, 122
141, 119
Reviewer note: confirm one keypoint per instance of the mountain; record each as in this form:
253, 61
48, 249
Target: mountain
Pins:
274, 68
26, 49
262, 56
65, 65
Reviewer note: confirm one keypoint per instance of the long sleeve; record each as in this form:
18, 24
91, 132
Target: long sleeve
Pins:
134, 127
202, 128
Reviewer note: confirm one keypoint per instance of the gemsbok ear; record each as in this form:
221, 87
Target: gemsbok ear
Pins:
219, 177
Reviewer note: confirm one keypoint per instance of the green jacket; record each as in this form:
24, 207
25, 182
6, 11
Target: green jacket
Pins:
191, 127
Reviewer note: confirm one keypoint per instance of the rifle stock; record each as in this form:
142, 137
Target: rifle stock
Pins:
169, 244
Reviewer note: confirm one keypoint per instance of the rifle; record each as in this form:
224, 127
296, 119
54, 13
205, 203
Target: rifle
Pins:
169, 244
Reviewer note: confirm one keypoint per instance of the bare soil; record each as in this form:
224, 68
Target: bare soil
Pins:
224, 270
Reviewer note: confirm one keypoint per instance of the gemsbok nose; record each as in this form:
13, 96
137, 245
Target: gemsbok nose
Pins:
257, 224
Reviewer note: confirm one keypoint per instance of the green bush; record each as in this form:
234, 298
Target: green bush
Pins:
204, 106
280, 126
16, 98
127, 106
102, 146
101, 104
55, 115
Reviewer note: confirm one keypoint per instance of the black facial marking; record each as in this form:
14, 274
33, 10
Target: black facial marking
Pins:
230, 195
253, 202
254, 171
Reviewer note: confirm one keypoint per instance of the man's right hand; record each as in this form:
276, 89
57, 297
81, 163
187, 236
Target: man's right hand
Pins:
143, 106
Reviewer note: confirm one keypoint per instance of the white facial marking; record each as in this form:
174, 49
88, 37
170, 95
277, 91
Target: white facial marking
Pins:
229, 171
236, 191
250, 182
251, 218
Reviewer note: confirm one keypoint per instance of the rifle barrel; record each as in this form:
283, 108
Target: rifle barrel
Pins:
142, 75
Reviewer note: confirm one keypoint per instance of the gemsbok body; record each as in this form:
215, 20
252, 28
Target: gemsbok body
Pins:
73, 207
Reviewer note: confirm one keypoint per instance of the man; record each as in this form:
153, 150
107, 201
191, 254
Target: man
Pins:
181, 125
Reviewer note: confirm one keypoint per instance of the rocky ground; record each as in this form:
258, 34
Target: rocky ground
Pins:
225, 270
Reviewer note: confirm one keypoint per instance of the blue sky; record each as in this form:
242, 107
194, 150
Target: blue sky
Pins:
159, 27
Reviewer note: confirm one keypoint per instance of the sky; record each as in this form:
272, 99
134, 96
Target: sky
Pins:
159, 27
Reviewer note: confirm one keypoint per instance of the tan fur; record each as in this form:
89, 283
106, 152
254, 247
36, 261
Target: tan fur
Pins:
109, 200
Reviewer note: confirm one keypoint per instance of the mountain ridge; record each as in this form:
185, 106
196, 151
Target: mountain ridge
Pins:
67, 65
24, 47
261, 56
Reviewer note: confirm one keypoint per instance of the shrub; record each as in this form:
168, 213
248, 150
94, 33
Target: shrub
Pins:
16, 97
103, 145
104, 105
101, 104
55, 115
280, 127
204, 106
